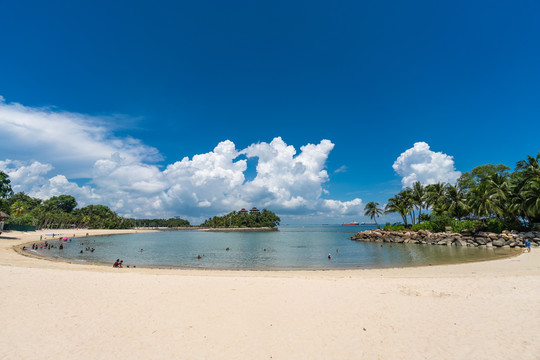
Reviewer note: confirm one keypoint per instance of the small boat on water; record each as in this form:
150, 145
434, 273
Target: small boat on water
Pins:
369, 223
353, 223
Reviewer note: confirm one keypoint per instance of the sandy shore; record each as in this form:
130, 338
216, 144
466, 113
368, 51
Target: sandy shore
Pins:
56, 310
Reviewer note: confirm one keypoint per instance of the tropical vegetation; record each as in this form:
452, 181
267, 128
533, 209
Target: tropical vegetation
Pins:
237, 219
61, 212
373, 211
490, 197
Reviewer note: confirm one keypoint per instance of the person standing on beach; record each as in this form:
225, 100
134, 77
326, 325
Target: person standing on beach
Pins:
528, 245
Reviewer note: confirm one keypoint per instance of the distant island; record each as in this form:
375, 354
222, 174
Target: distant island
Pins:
244, 219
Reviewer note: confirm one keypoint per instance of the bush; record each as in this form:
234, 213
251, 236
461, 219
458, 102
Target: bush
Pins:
440, 222
394, 227
495, 226
426, 225
25, 219
459, 226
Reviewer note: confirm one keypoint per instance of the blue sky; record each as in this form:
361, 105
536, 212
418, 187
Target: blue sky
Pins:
154, 82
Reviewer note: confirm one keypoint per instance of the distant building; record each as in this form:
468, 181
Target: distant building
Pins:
254, 210
243, 211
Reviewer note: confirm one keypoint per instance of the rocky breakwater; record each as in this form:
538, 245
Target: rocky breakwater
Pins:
507, 239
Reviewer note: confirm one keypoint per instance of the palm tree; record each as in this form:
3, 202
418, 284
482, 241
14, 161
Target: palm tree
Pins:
529, 187
435, 195
455, 202
480, 201
373, 211
419, 197
408, 201
399, 204
531, 200
530, 167
18, 208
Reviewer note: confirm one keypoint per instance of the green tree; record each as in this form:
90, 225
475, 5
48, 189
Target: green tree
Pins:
469, 180
528, 188
373, 211
435, 196
455, 202
419, 197
399, 204
64, 203
18, 208
5, 186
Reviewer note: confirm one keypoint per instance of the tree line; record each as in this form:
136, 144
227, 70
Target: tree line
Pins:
489, 197
61, 211
234, 219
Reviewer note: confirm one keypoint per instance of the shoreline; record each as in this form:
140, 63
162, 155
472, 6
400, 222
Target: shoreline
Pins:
488, 308
19, 249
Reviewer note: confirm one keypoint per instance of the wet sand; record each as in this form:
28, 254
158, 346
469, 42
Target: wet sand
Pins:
52, 309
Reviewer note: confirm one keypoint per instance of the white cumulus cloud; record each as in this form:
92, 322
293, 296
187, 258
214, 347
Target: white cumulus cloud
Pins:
74, 141
421, 164
55, 152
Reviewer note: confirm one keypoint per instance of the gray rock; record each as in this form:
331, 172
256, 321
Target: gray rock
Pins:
498, 243
481, 240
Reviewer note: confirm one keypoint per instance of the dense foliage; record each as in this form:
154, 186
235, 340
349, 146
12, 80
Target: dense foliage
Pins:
62, 212
265, 218
5, 186
488, 198
169, 223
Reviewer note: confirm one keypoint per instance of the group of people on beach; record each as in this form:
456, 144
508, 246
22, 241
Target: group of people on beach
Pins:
46, 246
120, 264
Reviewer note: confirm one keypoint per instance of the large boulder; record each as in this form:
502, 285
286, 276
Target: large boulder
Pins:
498, 243
481, 240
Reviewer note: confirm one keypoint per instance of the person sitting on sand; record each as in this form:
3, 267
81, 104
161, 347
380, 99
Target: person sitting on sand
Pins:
115, 263
120, 264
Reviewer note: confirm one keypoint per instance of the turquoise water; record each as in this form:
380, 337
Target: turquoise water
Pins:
291, 248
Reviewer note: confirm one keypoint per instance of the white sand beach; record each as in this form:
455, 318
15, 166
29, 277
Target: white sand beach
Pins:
58, 310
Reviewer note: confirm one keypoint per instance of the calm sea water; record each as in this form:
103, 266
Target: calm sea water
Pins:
291, 248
